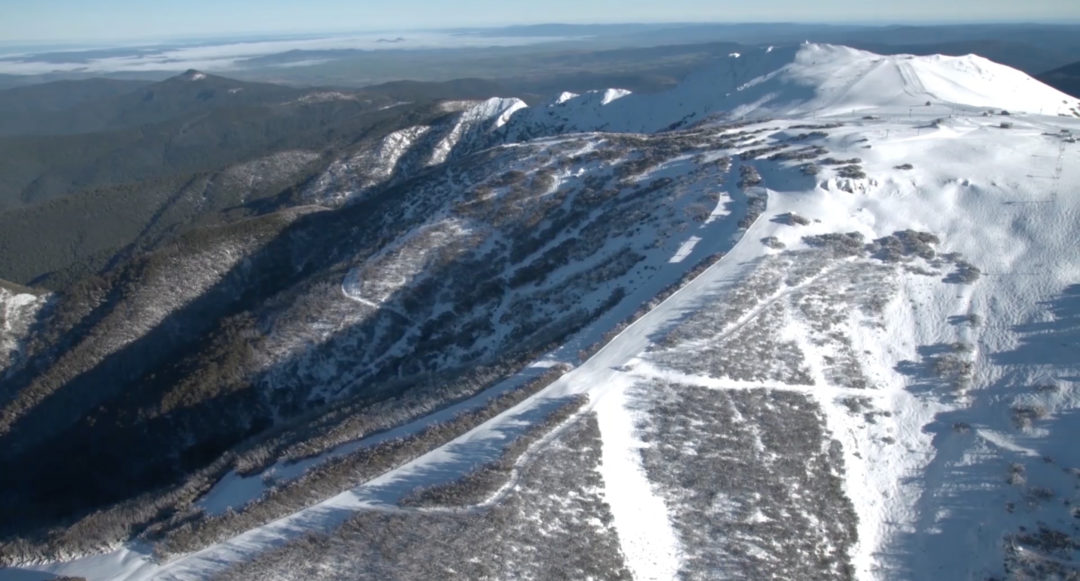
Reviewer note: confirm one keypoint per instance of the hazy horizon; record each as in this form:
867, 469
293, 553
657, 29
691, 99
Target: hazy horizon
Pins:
29, 23
280, 53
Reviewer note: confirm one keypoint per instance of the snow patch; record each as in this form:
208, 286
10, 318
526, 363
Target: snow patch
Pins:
476, 121
564, 97
640, 516
326, 97
18, 311
612, 95
685, 250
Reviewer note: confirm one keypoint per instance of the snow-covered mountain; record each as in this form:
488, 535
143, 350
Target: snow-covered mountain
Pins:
811, 314
810, 80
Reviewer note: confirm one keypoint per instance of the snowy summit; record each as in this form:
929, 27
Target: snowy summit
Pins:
813, 81
193, 75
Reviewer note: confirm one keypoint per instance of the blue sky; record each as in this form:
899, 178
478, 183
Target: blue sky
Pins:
80, 20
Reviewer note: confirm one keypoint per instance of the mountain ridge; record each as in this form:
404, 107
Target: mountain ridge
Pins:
805, 235
815, 80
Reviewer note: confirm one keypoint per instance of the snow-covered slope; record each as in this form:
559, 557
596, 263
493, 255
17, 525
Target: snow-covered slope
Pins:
468, 126
878, 380
476, 121
810, 80
18, 309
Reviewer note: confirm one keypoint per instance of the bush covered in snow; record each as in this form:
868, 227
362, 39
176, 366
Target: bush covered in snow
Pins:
853, 172
965, 273
904, 245
749, 177
792, 219
773, 242
839, 244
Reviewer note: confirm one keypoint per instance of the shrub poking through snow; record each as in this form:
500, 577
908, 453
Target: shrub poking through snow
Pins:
903, 245
1017, 475
965, 273
954, 369
834, 161
853, 172
749, 177
840, 244
803, 153
553, 523
971, 320
1023, 416
773, 242
484, 480
791, 219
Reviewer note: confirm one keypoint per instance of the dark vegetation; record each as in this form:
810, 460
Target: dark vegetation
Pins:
653, 302
851, 172
178, 263
749, 177
48, 107
1065, 79
193, 531
61, 241
1045, 553
553, 524
951, 366
839, 276
773, 242
965, 273
18, 288
792, 219
103, 105
486, 479
163, 160
753, 483
203, 352
191, 369
171, 522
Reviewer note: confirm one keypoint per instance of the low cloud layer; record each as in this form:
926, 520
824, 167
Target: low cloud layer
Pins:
226, 56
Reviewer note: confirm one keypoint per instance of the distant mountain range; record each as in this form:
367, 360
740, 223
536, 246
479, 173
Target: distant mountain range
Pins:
638, 56
1065, 79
